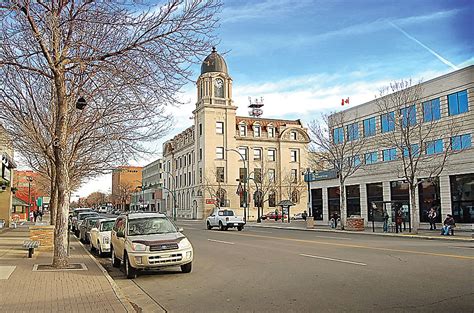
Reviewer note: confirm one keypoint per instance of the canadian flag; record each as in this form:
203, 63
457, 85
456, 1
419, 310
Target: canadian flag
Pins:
346, 101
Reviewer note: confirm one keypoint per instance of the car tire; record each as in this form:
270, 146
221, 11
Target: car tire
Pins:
209, 227
221, 226
186, 268
130, 271
115, 262
239, 228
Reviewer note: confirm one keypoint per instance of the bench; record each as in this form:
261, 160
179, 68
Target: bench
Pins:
31, 245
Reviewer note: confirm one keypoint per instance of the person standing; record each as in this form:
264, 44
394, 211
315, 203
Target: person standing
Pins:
399, 220
35, 215
432, 218
385, 221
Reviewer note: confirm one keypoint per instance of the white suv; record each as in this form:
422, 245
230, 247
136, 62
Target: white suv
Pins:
147, 241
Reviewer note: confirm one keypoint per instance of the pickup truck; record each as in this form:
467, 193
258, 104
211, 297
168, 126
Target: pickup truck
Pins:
224, 218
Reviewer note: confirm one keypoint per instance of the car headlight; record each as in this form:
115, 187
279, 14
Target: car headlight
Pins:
184, 243
139, 247
106, 240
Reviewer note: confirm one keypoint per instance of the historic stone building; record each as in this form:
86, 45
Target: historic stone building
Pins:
223, 157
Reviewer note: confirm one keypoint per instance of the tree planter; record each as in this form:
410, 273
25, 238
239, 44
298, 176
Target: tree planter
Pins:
355, 223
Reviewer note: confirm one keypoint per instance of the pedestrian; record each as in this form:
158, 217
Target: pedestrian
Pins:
35, 215
399, 220
448, 225
405, 216
385, 221
334, 220
432, 218
276, 215
304, 215
40, 214
31, 216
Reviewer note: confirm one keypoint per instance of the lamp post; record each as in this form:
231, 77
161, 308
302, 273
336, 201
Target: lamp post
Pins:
259, 220
173, 193
245, 204
30, 179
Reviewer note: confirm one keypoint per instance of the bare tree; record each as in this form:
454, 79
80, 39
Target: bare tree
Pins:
337, 142
127, 66
124, 193
264, 180
413, 135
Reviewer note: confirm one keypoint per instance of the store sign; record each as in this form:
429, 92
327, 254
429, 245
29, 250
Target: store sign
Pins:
6, 173
210, 201
323, 175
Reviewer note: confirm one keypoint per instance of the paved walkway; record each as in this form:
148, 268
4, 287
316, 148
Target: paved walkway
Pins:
24, 290
422, 234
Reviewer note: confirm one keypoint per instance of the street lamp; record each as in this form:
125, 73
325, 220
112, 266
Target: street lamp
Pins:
245, 181
29, 179
173, 193
259, 199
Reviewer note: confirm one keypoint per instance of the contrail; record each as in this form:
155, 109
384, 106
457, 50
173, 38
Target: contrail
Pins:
424, 46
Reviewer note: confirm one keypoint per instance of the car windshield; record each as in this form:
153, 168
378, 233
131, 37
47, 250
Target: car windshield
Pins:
150, 226
83, 216
90, 222
107, 226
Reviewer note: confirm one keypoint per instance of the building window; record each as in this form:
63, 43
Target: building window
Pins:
271, 132
243, 153
352, 131
389, 154
431, 110
461, 142
294, 155
221, 197
374, 202
242, 130
387, 122
220, 153
338, 135
257, 154
408, 116
200, 154
457, 102
258, 198
371, 157
462, 198
369, 127
200, 175
271, 155
435, 146
333, 202
272, 199
429, 197
258, 175
243, 174
294, 176
200, 129
256, 131
219, 127
353, 200
271, 175
295, 197
414, 151
220, 175
354, 161
317, 203
293, 135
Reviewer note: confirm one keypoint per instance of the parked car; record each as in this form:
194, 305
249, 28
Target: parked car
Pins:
76, 223
224, 218
300, 216
100, 235
271, 215
149, 241
85, 227
73, 217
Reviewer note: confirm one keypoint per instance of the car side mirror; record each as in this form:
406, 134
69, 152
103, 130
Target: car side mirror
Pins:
180, 229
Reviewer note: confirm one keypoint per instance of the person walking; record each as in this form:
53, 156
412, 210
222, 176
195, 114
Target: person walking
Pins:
432, 218
399, 220
448, 225
35, 215
385, 221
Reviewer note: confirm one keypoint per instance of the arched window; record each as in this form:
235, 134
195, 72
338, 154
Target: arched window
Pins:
295, 196
258, 198
221, 197
272, 199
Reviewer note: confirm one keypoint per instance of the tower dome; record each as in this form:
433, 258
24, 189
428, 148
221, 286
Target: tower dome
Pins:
214, 62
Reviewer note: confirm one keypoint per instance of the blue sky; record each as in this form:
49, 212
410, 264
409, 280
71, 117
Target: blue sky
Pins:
303, 56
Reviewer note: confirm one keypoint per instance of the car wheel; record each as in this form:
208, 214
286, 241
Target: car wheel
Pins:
115, 262
130, 271
221, 226
239, 228
186, 268
209, 225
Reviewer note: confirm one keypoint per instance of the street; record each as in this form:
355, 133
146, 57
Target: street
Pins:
272, 270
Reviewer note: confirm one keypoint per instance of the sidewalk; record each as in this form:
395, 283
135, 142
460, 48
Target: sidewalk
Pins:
25, 290
422, 234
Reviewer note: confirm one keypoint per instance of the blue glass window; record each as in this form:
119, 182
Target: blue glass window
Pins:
371, 157
435, 146
408, 116
353, 131
388, 122
415, 151
461, 142
431, 110
369, 127
355, 160
389, 154
338, 135
457, 102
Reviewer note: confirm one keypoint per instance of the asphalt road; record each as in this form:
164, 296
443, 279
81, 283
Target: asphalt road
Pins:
270, 270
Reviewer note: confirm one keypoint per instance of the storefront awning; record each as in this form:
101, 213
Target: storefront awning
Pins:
18, 202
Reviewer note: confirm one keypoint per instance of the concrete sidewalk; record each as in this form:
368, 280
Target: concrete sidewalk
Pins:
422, 234
25, 290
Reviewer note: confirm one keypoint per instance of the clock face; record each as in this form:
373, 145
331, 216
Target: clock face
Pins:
218, 83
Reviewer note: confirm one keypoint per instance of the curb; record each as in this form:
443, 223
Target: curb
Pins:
446, 238
118, 292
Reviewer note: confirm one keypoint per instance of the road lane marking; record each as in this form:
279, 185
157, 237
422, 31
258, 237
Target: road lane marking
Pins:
262, 231
331, 259
333, 237
345, 245
220, 241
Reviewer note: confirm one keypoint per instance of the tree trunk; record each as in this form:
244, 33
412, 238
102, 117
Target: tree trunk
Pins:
53, 203
415, 216
342, 204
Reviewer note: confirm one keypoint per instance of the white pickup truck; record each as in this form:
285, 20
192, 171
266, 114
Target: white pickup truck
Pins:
224, 218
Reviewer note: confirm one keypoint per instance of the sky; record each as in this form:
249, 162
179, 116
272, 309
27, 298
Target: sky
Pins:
304, 56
